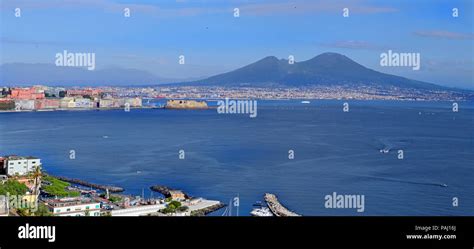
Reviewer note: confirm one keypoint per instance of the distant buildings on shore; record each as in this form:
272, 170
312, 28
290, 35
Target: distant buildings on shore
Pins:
186, 104
46, 98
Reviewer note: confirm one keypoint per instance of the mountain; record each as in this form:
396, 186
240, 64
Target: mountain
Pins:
50, 74
324, 69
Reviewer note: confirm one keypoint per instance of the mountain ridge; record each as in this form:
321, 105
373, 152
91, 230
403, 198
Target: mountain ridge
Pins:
324, 69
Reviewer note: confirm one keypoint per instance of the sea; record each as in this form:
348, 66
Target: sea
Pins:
428, 168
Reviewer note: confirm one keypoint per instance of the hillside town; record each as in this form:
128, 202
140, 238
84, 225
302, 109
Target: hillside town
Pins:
25, 190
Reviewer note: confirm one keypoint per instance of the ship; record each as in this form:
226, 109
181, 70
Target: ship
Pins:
261, 212
186, 104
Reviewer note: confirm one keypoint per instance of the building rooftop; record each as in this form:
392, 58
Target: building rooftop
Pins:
65, 202
15, 157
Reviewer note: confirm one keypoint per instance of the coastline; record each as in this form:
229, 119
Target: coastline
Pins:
214, 107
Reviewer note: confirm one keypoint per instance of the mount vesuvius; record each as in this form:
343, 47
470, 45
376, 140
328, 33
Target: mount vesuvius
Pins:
330, 69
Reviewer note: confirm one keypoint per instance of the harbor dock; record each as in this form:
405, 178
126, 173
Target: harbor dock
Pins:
112, 189
276, 207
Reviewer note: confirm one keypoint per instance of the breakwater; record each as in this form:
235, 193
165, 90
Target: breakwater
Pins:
113, 189
276, 207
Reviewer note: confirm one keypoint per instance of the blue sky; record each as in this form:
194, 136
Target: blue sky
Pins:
214, 41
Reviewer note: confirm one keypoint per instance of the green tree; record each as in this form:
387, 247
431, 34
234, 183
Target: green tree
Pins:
13, 187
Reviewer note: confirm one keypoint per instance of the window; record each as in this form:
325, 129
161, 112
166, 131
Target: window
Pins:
87, 207
67, 210
97, 206
58, 210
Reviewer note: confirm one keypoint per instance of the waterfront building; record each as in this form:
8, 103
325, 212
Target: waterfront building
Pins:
26, 93
186, 104
83, 103
177, 195
138, 210
108, 103
76, 206
133, 102
67, 102
46, 104
17, 165
83, 92
24, 104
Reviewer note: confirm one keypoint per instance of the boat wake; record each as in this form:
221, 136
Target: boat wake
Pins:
388, 179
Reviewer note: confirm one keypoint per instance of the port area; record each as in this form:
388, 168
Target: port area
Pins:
276, 207
110, 202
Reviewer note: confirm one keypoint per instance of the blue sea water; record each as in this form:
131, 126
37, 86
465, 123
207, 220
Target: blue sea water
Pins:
229, 155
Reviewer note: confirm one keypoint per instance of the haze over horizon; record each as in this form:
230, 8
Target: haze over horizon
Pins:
213, 41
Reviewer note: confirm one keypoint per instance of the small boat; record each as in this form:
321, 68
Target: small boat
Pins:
261, 212
257, 204
305, 102
105, 136
384, 151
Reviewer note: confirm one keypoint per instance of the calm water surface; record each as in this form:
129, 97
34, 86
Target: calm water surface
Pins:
226, 155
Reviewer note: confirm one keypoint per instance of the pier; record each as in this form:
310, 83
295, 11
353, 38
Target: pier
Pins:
113, 189
277, 208
164, 190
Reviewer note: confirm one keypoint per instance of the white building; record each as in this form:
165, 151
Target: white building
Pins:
73, 207
138, 210
83, 103
24, 104
18, 165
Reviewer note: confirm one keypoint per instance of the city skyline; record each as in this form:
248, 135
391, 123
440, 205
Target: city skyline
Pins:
214, 41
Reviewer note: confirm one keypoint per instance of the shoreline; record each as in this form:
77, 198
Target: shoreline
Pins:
214, 107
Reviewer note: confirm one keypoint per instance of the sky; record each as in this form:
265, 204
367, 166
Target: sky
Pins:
214, 41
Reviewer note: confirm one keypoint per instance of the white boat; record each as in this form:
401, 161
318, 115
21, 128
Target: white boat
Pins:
305, 102
261, 212
384, 151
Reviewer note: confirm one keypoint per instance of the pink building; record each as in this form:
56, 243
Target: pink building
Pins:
26, 93
83, 92
46, 103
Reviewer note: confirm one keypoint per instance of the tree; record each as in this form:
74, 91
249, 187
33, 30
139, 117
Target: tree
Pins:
37, 176
13, 187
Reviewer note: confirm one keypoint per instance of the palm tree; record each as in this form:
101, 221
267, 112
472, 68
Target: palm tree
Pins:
36, 174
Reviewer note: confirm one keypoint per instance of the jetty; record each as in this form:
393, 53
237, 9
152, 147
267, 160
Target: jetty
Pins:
166, 191
112, 189
276, 207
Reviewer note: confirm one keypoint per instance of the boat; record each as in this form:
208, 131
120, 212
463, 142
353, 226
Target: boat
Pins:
261, 212
305, 102
384, 151
257, 204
